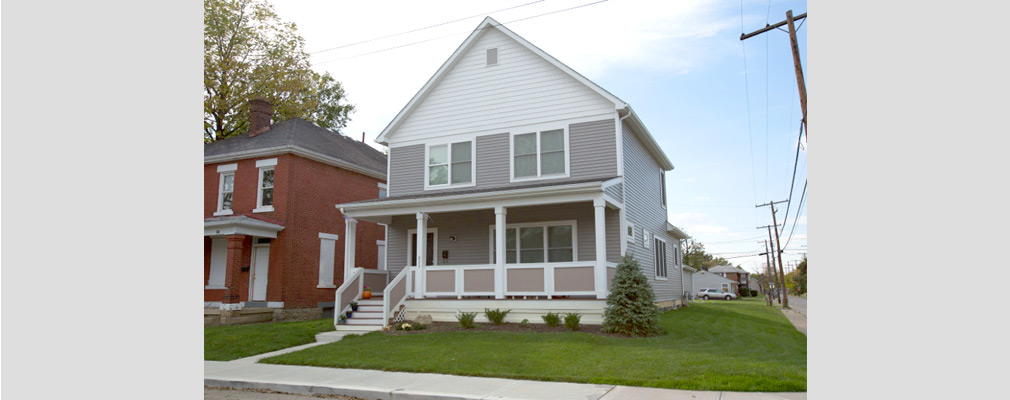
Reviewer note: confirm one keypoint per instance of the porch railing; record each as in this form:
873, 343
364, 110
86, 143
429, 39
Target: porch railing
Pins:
395, 295
575, 278
349, 291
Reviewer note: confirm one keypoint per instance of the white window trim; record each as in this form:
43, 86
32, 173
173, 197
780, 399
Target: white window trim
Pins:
646, 239
323, 238
383, 188
575, 239
663, 196
448, 143
410, 246
225, 170
666, 259
539, 176
631, 237
263, 165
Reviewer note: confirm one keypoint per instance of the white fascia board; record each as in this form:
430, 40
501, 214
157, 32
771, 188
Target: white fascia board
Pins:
298, 151
463, 48
241, 225
612, 182
650, 143
477, 201
677, 233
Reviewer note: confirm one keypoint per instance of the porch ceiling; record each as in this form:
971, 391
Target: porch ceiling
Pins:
566, 192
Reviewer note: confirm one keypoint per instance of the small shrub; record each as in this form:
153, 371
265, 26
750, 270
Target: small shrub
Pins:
744, 293
409, 326
466, 319
525, 323
572, 321
552, 319
496, 316
753, 293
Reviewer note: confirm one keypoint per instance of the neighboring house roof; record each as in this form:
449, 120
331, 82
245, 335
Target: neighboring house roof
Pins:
302, 138
637, 127
728, 269
689, 268
717, 277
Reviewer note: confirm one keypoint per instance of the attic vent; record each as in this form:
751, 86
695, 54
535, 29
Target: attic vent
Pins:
492, 56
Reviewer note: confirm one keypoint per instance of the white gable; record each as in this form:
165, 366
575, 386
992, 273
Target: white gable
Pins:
525, 87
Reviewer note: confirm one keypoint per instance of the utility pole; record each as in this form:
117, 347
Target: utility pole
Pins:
768, 270
779, 283
800, 84
778, 249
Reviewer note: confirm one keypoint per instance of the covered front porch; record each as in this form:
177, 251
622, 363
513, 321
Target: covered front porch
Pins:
552, 250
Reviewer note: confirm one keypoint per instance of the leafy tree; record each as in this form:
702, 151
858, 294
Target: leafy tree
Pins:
798, 277
695, 256
249, 51
631, 308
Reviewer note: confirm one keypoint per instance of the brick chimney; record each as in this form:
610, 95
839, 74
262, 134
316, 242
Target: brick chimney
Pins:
260, 112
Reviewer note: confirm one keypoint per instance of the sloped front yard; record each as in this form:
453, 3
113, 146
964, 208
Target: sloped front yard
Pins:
735, 346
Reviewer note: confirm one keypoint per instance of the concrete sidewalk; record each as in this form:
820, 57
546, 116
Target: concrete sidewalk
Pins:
372, 384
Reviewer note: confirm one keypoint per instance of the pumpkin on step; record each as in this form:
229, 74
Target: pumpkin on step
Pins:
367, 293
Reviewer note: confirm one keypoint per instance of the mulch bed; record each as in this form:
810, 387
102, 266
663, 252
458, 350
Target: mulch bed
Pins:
506, 327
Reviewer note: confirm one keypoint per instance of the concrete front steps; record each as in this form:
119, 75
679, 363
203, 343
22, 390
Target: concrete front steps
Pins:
368, 317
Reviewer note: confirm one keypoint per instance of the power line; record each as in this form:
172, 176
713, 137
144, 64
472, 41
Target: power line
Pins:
796, 163
461, 33
421, 29
750, 130
797, 217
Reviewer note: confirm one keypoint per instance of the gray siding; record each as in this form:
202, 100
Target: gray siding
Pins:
616, 191
613, 221
593, 147
406, 170
644, 209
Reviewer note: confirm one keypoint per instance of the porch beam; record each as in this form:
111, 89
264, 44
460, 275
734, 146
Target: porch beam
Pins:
350, 239
500, 252
422, 257
600, 268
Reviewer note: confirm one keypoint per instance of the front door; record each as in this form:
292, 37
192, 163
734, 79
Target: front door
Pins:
261, 265
430, 253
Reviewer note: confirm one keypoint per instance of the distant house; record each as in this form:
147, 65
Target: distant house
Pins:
273, 240
708, 279
741, 277
688, 274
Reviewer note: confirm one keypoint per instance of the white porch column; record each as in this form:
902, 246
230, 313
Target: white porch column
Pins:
350, 238
422, 248
499, 266
600, 269
624, 232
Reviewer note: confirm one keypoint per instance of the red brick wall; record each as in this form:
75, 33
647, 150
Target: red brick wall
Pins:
305, 193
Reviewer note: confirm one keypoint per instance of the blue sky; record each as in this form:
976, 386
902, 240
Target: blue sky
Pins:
679, 64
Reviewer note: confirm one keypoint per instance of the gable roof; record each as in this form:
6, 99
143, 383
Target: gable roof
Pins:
489, 23
302, 138
728, 269
718, 278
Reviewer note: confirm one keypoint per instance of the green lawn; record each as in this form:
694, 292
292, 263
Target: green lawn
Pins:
224, 343
740, 345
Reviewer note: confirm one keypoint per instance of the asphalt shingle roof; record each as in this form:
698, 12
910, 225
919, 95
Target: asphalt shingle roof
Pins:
304, 134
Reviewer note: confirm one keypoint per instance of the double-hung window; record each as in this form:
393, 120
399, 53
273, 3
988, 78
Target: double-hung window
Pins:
540, 154
537, 243
265, 185
450, 164
225, 189
660, 258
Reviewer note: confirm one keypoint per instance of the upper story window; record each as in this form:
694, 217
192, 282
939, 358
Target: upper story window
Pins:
265, 185
540, 154
226, 188
662, 186
450, 164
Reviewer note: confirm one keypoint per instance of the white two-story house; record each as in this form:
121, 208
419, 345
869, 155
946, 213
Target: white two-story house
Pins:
527, 183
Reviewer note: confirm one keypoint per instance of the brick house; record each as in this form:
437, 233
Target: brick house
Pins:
271, 243
738, 275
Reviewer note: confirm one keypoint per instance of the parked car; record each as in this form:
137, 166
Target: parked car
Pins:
716, 294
